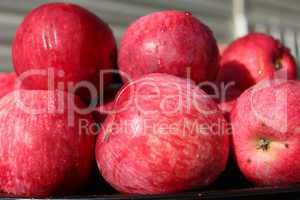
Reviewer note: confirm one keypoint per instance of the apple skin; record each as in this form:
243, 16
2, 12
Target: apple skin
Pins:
7, 83
140, 156
265, 124
67, 38
255, 57
172, 42
40, 154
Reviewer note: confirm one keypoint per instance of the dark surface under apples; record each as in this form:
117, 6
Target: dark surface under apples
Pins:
230, 185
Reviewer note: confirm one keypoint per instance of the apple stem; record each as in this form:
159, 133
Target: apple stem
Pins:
263, 144
278, 64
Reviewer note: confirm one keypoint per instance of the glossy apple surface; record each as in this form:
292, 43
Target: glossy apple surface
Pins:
165, 136
253, 58
172, 42
265, 124
41, 153
63, 41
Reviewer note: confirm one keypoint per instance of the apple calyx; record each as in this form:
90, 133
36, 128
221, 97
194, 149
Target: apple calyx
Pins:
263, 144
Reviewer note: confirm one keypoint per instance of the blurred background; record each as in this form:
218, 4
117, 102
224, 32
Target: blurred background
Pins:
228, 19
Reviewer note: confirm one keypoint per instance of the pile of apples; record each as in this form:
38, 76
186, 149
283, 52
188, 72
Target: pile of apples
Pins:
182, 106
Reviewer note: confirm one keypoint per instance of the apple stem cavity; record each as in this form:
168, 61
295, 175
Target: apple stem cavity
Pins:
263, 144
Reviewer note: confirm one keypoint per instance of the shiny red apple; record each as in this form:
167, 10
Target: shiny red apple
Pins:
65, 43
165, 136
46, 148
253, 58
172, 42
266, 127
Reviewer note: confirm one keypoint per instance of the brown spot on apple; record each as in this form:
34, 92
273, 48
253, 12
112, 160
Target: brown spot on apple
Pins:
263, 124
249, 161
286, 145
229, 129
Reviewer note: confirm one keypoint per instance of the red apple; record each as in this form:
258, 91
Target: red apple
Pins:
7, 83
165, 136
255, 57
41, 152
172, 42
65, 38
266, 127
